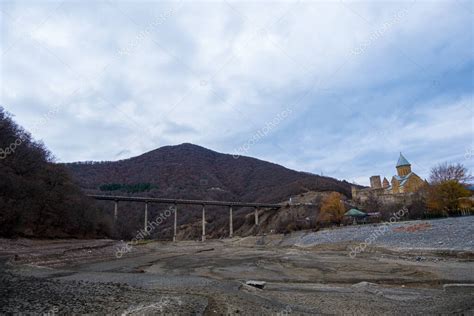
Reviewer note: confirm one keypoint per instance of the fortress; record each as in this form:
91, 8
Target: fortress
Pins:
402, 184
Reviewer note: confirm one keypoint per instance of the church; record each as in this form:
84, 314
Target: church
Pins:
404, 182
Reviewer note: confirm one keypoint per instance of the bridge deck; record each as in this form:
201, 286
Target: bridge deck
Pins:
180, 201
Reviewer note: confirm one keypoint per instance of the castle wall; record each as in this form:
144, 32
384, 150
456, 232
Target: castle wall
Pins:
375, 182
383, 196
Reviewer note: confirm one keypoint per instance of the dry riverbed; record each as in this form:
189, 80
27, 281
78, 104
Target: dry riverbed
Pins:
186, 277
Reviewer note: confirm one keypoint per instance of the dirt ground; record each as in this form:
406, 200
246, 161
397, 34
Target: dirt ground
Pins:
194, 278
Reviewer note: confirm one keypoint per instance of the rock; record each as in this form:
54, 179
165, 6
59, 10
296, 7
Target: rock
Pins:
257, 284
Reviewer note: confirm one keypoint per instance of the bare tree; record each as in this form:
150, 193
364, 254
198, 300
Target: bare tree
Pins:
38, 198
450, 172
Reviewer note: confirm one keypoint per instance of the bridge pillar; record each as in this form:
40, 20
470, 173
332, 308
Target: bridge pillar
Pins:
231, 226
256, 216
115, 211
146, 216
175, 221
203, 223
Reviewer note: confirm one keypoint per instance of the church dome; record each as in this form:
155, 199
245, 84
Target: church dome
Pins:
402, 161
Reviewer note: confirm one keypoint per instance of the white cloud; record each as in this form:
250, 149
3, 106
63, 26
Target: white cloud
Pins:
219, 71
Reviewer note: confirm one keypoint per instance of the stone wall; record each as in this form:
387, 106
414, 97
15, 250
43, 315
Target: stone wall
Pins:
382, 195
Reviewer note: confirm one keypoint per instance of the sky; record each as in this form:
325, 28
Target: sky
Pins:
337, 88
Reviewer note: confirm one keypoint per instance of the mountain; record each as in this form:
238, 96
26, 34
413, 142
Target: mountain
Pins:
193, 172
188, 171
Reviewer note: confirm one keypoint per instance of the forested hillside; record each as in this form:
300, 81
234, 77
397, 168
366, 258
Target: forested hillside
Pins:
37, 196
192, 172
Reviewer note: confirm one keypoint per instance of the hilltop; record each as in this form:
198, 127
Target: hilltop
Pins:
191, 171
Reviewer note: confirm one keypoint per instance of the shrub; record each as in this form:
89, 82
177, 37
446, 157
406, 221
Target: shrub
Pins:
332, 209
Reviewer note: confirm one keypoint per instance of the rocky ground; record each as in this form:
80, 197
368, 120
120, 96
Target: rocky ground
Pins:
406, 271
454, 233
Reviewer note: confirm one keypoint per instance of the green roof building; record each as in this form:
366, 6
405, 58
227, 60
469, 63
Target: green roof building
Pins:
353, 212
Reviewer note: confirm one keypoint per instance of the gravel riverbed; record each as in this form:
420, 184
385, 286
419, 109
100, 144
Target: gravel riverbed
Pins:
55, 277
455, 233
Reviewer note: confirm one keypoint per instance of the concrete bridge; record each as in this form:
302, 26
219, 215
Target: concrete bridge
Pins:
176, 202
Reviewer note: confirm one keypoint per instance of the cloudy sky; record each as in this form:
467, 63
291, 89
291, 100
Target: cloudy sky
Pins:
332, 87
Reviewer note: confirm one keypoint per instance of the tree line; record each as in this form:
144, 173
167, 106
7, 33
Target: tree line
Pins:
129, 188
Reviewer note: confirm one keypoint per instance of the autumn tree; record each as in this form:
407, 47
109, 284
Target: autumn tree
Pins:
447, 188
443, 198
332, 209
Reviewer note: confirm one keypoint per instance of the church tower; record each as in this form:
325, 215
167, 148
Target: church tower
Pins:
403, 166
